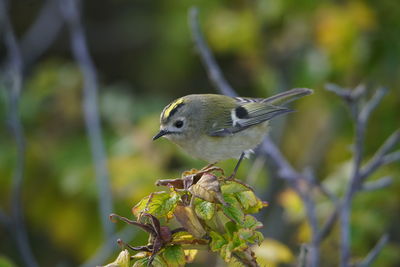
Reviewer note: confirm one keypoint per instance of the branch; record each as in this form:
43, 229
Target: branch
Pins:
375, 251
214, 73
42, 33
13, 84
71, 14
381, 157
361, 118
378, 184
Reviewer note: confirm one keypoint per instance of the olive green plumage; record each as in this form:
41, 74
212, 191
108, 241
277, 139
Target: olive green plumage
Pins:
216, 127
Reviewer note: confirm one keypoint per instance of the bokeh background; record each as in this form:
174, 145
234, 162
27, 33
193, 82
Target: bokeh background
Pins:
145, 58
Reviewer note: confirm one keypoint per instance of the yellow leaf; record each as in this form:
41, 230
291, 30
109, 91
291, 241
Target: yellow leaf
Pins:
271, 252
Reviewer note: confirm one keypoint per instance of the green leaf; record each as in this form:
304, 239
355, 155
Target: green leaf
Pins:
251, 222
237, 243
231, 228
230, 187
247, 199
217, 241
158, 204
174, 256
258, 237
226, 253
233, 209
259, 205
204, 210
245, 234
157, 262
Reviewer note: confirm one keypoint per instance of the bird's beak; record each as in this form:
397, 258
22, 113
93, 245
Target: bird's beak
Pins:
160, 133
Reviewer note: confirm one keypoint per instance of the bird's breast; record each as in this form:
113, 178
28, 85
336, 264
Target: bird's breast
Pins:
214, 149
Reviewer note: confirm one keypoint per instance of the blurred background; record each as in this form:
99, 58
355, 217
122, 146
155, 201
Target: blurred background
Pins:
145, 57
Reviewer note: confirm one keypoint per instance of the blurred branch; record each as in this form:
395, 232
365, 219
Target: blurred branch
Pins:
374, 252
109, 246
360, 173
42, 33
71, 14
12, 82
382, 157
378, 184
214, 72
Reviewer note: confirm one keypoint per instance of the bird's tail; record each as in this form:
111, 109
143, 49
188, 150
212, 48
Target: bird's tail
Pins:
287, 96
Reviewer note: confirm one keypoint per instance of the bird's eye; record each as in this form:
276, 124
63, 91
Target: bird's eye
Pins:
178, 124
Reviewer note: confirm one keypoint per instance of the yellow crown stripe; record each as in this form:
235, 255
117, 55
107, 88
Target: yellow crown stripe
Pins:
171, 107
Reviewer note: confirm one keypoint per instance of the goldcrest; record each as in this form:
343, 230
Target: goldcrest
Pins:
215, 127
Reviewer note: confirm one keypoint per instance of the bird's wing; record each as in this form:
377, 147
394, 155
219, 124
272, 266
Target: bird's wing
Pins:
248, 112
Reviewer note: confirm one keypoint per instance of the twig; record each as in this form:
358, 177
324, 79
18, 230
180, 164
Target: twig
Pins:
71, 13
370, 258
381, 157
42, 33
328, 226
359, 174
214, 73
378, 184
13, 84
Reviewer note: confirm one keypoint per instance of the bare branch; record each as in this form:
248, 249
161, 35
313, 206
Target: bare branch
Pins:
346, 94
372, 104
42, 33
328, 226
214, 73
12, 81
378, 184
375, 251
380, 158
71, 13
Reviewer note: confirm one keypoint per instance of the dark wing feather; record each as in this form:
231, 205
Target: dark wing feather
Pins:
256, 113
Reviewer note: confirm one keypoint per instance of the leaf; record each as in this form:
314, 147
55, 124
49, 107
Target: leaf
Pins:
231, 228
226, 253
217, 241
187, 218
237, 243
122, 260
181, 236
174, 256
204, 210
256, 208
251, 222
230, 187
190, 255
245, 234
157, 262
207, 188
272, 252
158, 204
233, 209
247, 199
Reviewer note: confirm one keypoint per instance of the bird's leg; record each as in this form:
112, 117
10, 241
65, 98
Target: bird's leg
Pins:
236, 167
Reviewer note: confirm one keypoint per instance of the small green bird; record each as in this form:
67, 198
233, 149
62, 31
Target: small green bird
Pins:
215, 127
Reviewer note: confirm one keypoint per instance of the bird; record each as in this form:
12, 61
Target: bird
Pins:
214, 127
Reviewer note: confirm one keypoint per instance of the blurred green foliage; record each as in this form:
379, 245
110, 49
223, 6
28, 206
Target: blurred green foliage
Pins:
145, 58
